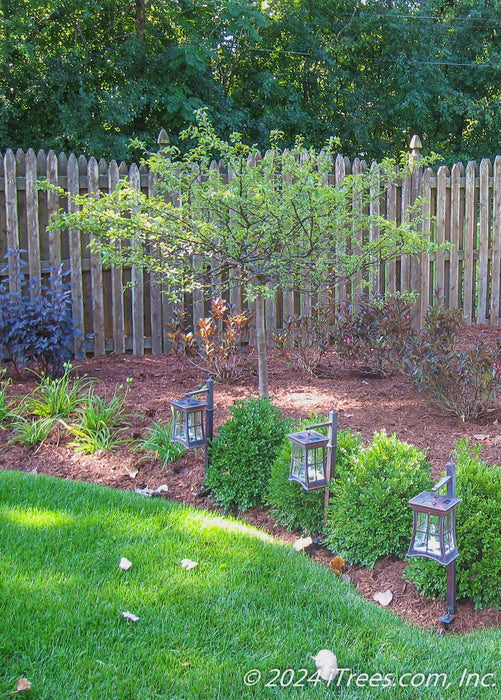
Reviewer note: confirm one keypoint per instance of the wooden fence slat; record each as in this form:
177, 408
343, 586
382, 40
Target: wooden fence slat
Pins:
137, 285
483, 262
425, 281
340, 174
405, 260
415, 272
376, 283
54, 236
117, 291
496, 245
156, 320
96, 272
11, 217
77, 300
33, 238
442, 233
470, 222
391, 214
457, 221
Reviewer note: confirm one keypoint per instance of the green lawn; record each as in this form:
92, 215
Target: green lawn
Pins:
251, 603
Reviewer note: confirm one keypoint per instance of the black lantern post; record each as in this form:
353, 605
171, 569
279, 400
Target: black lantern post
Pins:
193, 420
313, 456
434, 531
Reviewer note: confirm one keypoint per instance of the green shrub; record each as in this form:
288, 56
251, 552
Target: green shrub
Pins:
478, 535
294, 507
369, 516
243, 452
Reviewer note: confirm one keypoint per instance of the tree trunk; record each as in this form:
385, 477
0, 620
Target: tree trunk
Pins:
262, 362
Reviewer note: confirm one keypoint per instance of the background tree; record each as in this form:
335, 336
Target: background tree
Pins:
274, 220
88, 76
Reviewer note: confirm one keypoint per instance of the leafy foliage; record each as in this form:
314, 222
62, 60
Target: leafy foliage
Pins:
181, 338
57, 397
478, 534
369, 516
291, 505
88, 76
304, 339
36, 325
158, 441
221, 336
242, 453
463, 381
376, 333
30, 431
98, 420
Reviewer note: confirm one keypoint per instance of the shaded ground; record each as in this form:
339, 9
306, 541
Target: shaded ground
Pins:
365, 405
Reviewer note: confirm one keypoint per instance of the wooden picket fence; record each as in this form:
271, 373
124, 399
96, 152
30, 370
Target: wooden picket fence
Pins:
124, 309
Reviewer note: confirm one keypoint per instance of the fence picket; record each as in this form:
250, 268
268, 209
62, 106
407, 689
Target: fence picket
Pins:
484, 229
470, 241
137, 282
75, 251
33, 237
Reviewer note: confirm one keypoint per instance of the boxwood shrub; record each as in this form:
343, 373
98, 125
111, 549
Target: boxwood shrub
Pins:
478, 535
369, 516
291, 505
243, 452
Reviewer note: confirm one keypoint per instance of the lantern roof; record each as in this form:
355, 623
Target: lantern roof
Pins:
189, 403
429, 502
309, 438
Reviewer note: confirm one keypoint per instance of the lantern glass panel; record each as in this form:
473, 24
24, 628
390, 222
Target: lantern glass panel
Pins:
179, 426
427, 538
195, 426
316, 463
298, 466
449, 533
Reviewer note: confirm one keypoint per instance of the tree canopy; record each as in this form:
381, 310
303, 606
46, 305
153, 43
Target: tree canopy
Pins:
90, 75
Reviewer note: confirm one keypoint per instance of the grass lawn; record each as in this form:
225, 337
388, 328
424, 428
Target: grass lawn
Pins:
251, 603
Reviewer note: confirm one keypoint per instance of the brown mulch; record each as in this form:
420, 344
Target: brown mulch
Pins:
364, 404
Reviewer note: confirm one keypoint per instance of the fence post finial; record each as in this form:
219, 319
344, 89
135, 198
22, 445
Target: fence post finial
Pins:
163, 139
415, 145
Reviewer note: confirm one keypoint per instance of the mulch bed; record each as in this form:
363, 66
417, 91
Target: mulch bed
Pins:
363, 404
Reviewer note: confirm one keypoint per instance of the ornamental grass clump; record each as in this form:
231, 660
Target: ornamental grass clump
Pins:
368, 515
293, 506
243, 452
478, 534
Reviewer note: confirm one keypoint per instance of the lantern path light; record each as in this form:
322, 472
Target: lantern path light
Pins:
193, 420
434, 532
313, 457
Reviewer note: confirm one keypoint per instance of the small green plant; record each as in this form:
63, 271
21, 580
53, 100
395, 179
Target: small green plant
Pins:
5, 409
31, 431
376, 333
56, 397
369, 516
98, 420
291, 505
158, 441
243, 452
478, 534
304, 339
